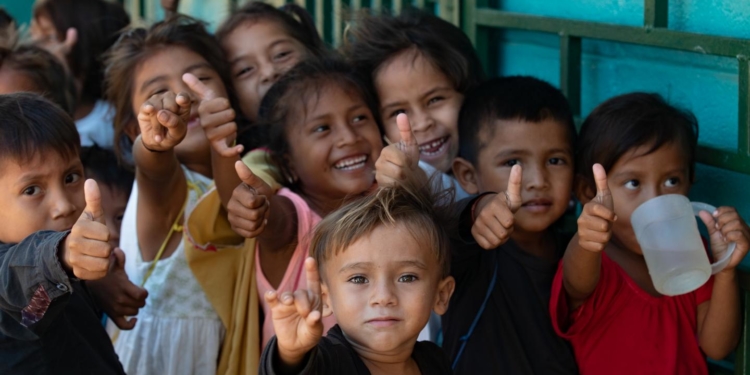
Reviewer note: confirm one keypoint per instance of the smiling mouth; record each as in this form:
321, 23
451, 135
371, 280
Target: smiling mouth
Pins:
434, 147
351, 163
194, 121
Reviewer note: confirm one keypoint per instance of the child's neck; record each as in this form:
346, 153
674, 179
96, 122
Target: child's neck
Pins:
633, 264
324, 205
542, 245
397, 362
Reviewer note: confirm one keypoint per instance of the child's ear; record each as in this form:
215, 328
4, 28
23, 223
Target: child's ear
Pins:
132, 130
444, 293
583, 189
326, 300
466, 175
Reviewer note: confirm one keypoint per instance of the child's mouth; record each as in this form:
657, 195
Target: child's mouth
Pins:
383, 322
434, 148
351, 163
194, 121
537, 205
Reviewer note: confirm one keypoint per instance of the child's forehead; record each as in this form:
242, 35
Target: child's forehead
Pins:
538, 136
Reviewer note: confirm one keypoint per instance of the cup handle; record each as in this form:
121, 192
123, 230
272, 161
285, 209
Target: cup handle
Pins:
720, 264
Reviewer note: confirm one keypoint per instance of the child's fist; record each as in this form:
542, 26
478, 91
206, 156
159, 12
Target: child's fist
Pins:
217, 118
86, 250
249, 206
400, 159
117, 296
724, 227
494, 220
595, 222
163, 120
297, 317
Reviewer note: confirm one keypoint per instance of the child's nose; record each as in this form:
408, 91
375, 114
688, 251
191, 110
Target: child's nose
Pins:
383, 295
535, 177
421, 121
62, 206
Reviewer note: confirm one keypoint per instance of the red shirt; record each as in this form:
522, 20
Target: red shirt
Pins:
621, 329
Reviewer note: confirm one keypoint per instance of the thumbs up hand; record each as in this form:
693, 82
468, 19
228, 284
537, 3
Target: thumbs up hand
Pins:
217, 118
595, 222
249, 206
494, 214
163, 120
116, 295
400, 159
297, 317
86, 250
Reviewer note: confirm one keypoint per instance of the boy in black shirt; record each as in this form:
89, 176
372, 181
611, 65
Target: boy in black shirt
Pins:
499, 318
52, 235
384, 264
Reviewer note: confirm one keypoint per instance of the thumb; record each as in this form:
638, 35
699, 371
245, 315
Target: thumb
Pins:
250, 179
198, 87
603, 195
404, 128
93, 201
71, 38
513, 193
119, 258
123, 323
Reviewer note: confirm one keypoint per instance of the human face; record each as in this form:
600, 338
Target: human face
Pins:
114, 202
411, 84
45, 193
13, 81
259, 53
637, 177
547, 163
382, 289
334, 147
162, 72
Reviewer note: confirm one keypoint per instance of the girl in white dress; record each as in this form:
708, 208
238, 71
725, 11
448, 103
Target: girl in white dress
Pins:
178, 331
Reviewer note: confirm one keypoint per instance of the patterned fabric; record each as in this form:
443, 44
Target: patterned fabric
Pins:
34, 311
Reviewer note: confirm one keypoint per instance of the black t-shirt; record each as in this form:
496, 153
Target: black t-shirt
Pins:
335, 356
514, 333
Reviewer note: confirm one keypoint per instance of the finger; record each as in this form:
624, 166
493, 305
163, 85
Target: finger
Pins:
137, 294
250, 228
287, 298
732, 226
71, 38
404, 129
248, 199
271, 298
302, 303
119, 258
603, 195
725, 216
709, 221
123, 323
250, 179
184, 103
492, 239
195, 85
93, 199
513, 193
480, 239
600, 211
313, 276
598, 224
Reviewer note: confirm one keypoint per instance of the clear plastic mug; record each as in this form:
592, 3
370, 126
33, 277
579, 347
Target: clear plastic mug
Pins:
667, 231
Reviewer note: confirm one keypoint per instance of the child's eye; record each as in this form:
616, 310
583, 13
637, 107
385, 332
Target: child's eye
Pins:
282, 54
32, 190
321, 128
556, 161
512, 162
632, 184
397, 112
407, 279
435, 100
357, 280
359, 119
157, 92
204, 79
672, 182
72, 178
243, 72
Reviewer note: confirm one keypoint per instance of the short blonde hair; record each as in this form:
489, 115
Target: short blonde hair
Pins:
410, 203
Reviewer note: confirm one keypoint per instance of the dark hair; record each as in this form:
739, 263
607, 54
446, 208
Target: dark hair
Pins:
136, 45
411, 202
293, 18
98, 23
375, 39
291, 94
509, 98
625, 122
101, 165
46, 73
32, 125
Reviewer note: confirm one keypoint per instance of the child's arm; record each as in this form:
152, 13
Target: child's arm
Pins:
297, 320
251, 217
719, 318
217, 119
36, 272
162, 187
582, 259
117, 296
400, 159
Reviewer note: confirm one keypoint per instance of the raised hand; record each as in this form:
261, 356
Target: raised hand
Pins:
249, 206
60, 48
86, 250
163, 120
116, 295
297, 317
400, 159
595, 222
725, 226
217, 118
494, 219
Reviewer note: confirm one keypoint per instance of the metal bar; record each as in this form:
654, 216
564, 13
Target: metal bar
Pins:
728, 160
469, 20
397, 6
570, 71
338, 23
743, 108
355, 5
320, 18
741, 361
662, 38
376, 5
448, 10
419, 4
655, 13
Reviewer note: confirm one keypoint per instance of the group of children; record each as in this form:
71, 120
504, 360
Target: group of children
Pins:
260, 203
